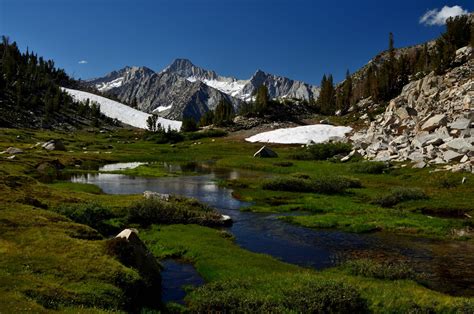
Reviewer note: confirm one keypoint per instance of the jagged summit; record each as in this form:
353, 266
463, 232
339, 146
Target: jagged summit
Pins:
185, 68
183, 88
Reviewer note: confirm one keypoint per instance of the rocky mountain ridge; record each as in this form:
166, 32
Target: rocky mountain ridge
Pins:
185, 90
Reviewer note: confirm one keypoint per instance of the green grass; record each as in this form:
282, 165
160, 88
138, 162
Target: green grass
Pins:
78, 187
230, 270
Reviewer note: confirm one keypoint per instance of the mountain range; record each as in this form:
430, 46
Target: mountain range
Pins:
185, 90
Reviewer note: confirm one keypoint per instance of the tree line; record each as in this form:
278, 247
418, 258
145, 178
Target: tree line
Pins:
29, 83
385, 77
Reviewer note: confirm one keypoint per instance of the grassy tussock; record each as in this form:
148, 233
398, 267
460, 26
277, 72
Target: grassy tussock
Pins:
395, 270
399, 195
370, 167
323, 185
180, 210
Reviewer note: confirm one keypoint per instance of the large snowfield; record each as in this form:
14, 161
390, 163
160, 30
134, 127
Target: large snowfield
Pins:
121, 112
317, 133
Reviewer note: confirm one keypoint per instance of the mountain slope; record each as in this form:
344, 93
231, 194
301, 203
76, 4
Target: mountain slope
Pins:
278, 86
166, 94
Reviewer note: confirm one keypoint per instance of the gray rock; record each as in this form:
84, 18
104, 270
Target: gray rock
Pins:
265, 152
460, 124
139, 257
434, 122
460, 145
420, 165
450, 156
416, 156
54, 145
13, 151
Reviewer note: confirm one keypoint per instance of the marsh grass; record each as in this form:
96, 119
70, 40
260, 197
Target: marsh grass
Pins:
400, 194
323, 185
390, 270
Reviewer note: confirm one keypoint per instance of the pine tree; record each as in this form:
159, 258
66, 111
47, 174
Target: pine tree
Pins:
151, 123
207, 118
261, 99
223, 113
326, 102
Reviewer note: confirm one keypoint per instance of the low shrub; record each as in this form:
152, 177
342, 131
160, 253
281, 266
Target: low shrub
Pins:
204, 134
325, 297
323, 185
92, 214
448, 182
323, 151
390, 270
162, 137
176, 211
289, 185
399, 195
370, 167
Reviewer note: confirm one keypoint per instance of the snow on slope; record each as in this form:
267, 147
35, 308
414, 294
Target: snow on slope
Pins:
121, 112
228, 86
103, 87
317, 133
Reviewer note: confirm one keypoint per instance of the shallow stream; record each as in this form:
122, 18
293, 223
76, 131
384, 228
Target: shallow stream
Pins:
447, 265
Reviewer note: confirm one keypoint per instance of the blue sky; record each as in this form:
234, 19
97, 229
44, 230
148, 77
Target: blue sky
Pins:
300, 39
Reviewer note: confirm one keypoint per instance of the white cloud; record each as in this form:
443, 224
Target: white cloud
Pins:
83, 62
439, 17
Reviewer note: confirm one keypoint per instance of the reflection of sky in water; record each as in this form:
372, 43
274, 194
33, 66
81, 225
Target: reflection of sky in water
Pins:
265, 233
121, 166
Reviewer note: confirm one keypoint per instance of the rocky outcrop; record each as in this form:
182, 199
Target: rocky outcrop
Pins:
430, 122
132, 252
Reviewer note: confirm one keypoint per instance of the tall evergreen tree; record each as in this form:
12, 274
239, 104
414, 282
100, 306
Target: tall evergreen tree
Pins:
261, 99
326, 102
224, 113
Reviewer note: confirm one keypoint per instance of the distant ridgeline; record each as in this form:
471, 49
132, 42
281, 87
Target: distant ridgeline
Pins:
384, 76
31, 97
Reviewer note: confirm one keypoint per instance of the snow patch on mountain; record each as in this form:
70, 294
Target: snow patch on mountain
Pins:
317, 133
121, 112
105, 86
163, 108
